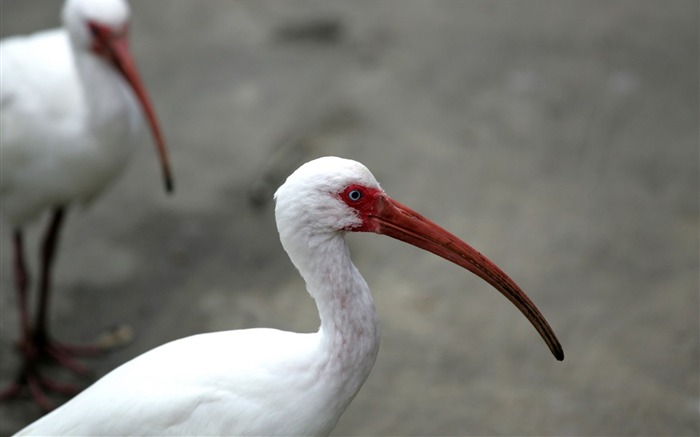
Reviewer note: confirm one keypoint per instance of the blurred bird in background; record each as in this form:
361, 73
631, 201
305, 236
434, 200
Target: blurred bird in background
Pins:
72, 110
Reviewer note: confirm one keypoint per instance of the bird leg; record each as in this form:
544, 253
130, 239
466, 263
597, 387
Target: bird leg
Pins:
36, 345
59, 352
48, 250
29, 375
21, 283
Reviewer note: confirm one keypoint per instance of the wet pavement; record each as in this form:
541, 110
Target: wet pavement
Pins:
559, 138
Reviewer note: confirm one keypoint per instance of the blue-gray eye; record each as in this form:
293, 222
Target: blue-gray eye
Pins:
355, 195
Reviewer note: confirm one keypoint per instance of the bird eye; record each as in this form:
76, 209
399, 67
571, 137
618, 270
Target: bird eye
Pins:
93, 28
355, 195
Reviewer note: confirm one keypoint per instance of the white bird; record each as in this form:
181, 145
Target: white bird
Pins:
270, 382
71, 102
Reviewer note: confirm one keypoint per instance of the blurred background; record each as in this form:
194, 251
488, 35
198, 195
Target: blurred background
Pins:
559, 138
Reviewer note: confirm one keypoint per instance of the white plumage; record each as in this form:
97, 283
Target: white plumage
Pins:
271, 382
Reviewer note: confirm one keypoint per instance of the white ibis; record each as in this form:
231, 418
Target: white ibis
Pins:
70, 117
271, 382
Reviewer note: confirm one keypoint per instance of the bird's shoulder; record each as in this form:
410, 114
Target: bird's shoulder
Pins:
41, 63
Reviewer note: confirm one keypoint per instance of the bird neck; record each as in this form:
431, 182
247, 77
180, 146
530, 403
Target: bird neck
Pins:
349, 331
110, 102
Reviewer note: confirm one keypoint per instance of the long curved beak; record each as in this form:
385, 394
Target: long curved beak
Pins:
116, 49
395, 220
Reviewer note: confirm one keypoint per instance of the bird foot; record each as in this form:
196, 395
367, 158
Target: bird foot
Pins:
41, 349
36, 352
37, 386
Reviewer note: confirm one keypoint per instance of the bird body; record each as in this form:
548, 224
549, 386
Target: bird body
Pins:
270, 382
69, 124
287, 387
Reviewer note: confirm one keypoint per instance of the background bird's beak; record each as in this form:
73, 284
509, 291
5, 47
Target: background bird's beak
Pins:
398, 221
115, 48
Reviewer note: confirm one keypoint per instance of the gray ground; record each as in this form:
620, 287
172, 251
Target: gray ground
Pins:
559, 138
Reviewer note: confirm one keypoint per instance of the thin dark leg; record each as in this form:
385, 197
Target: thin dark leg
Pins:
48, 251
22, 284
36, 344
31, 351
60, 352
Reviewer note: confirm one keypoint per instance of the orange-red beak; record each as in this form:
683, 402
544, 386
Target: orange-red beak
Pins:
115, 48
391, 218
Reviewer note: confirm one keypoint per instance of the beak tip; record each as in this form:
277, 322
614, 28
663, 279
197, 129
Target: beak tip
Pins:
169, 184
558, 354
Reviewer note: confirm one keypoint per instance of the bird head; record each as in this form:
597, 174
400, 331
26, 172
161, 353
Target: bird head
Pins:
84, 18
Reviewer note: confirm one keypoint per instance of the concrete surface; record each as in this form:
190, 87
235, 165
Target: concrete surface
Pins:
560, 138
